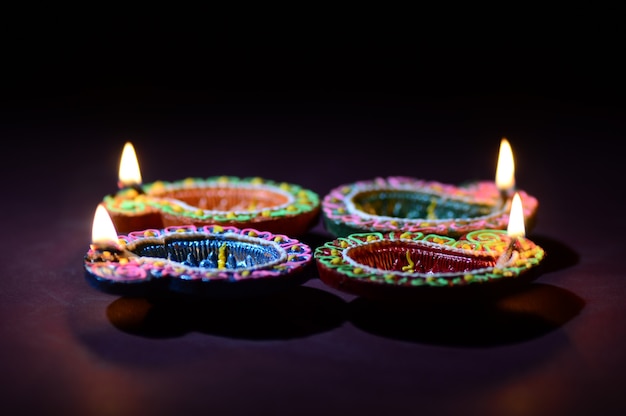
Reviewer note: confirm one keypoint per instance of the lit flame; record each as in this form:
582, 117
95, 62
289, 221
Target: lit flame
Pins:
516, 226
129, 173
103, 231
505, 171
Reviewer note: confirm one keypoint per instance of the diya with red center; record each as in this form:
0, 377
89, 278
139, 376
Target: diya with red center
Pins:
268, 205
431, 267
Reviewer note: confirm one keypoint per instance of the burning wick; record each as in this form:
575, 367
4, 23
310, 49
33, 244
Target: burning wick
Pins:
129, 174
505, 172
104, 239
515, 231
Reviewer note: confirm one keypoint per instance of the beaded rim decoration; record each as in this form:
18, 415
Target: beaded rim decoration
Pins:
416, 259
399, 203
181, 257
169, 197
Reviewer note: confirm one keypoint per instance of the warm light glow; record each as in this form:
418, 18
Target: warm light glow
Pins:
516, 226
103, 231
129, 173
505, 171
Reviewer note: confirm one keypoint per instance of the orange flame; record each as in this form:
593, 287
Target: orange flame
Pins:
505, 171
516, 227
103, 231
129, 172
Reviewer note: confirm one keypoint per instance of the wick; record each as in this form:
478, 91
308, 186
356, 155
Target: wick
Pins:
110, 252
505, 198
137, 187
509, 255
121, 187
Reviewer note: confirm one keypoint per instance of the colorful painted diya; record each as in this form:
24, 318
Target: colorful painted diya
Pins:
406, 204
211, 261
429, 267
221, 200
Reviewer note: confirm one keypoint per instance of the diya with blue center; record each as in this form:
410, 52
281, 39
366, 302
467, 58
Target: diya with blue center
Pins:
400, 203
212, 261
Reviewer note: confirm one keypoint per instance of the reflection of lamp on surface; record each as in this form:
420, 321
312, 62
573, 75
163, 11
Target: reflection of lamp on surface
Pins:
505, 172
515, 230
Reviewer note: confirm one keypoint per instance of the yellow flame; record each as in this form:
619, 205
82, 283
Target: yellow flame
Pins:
129, 173
516, 226
505, 171
103, 231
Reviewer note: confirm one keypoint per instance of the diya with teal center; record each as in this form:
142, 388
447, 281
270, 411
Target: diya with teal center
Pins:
401, 203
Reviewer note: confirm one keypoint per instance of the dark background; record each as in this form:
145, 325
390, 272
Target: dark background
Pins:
318, 112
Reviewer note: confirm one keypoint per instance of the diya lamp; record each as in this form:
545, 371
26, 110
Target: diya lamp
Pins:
278, 207
428, 267
400, 203
209, 261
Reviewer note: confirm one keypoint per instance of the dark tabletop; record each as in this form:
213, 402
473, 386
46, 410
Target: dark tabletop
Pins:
318, 118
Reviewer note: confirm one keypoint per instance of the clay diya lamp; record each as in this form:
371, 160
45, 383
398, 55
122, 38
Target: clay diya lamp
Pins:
208, 261
264, 204
428, 267
400, 203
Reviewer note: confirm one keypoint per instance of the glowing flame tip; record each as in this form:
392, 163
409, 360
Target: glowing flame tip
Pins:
103, 230
505, 171
516, 227
129, 172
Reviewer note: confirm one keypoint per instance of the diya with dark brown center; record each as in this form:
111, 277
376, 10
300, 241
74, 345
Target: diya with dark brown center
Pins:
430, 267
